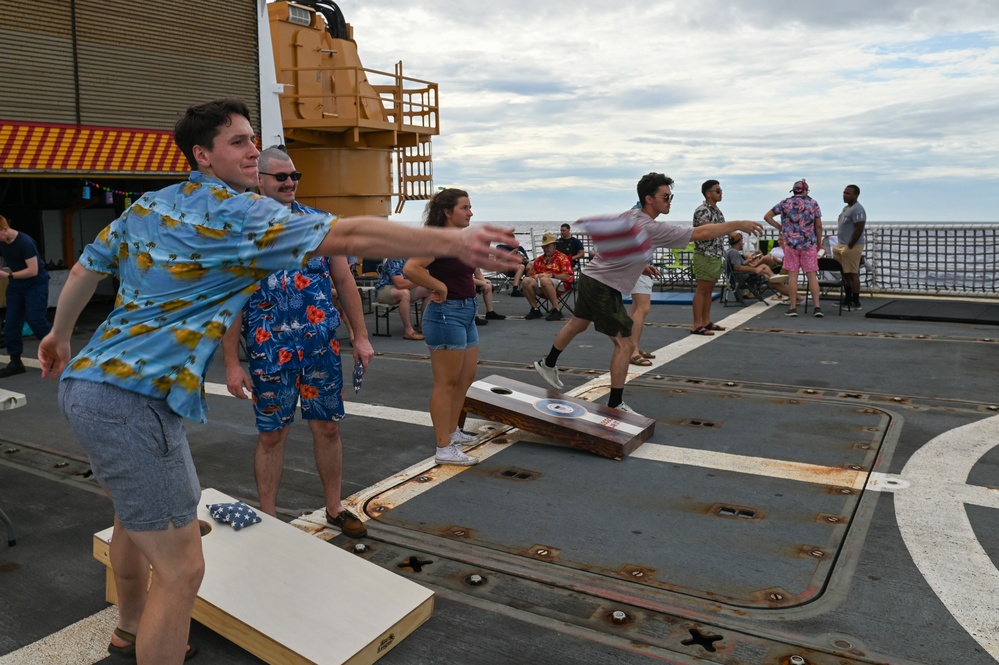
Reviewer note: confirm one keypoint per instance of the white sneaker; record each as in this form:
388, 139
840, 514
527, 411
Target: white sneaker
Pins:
461, 438
624, 407
451, 455
549, 374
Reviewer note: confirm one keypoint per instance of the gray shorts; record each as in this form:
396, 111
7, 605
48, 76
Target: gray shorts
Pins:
385, 295
138, 450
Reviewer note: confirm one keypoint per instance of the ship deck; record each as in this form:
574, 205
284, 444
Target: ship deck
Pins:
820, 488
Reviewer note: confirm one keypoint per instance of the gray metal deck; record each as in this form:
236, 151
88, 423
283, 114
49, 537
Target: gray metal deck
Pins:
776, 557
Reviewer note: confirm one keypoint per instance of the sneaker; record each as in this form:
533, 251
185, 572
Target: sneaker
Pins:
624, 407
856, 305
495, 316
451, 455
516, 293
479, 321
779, 279
818, 313
533, 314
549, 374
554, 315
15, 366
348, 523
462, 438
791, 312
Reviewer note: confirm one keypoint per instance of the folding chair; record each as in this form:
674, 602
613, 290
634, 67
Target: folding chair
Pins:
735, 282
563, 293
830, 277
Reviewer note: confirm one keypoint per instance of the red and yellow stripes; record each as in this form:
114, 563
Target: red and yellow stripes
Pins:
49, 149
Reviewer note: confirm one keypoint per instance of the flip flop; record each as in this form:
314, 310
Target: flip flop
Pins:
639, 360
128, 651
701, 330
714, 326
646, 354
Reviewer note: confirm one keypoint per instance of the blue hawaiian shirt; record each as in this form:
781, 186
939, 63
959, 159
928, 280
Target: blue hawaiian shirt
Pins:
187, 257
388, 269
797, 221
291, 315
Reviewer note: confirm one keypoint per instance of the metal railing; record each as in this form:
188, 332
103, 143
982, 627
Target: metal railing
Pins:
406, 103
939, 259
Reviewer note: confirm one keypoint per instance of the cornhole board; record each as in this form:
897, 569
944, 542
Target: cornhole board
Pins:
289, 597
573, 422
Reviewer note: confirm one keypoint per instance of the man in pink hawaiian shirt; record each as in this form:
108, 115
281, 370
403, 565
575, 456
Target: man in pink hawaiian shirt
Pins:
801, 228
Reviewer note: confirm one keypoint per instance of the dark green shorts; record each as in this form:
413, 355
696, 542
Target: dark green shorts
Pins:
597, 302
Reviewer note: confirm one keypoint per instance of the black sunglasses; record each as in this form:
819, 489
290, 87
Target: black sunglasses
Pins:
281, 177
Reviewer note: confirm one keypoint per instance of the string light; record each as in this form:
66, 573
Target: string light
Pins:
109, 192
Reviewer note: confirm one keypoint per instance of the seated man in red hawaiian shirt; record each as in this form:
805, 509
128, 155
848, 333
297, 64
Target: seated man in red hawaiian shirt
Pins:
550, 274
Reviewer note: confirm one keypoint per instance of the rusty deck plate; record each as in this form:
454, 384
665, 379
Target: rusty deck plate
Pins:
764, 537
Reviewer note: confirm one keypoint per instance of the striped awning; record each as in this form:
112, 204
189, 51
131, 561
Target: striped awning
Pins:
50, 149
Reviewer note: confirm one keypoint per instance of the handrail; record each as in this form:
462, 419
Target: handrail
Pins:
404, 107
942, 259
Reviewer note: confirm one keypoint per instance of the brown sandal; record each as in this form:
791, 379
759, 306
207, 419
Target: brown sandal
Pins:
646, 354
639, 360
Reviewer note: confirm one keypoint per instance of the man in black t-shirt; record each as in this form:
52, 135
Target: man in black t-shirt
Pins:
571, 247
27, 284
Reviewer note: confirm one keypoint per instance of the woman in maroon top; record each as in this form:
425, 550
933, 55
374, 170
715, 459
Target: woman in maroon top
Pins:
449, 327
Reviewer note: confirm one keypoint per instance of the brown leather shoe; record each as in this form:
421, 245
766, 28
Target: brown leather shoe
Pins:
348, 524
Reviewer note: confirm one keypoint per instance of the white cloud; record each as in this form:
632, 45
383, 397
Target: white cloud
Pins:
553, 110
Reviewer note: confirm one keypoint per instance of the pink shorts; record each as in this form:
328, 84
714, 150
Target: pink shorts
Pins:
805, 260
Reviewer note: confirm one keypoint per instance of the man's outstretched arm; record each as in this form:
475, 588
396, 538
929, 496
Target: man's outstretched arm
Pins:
376, 236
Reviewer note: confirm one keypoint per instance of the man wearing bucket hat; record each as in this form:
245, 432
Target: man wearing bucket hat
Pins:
546, 271
801, 228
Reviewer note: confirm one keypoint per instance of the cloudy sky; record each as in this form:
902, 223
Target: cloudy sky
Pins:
551, 110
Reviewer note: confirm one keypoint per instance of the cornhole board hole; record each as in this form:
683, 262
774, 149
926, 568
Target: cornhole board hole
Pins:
573, 422
289, 597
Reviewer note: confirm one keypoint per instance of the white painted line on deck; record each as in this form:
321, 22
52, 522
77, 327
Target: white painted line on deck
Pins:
757, 466
934, 524
600, 386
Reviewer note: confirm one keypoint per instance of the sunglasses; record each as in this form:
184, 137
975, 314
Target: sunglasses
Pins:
281, 177
667, 197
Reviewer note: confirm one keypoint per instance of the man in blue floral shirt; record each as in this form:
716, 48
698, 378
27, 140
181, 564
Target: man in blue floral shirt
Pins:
393, 288
801, 228
290, 325
187, 258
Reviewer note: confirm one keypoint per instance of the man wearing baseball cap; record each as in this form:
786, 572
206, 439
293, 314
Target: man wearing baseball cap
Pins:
801, 228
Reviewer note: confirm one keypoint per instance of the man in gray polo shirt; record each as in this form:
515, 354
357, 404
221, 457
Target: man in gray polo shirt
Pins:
849, 251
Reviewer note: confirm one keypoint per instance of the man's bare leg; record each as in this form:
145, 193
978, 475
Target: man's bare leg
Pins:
624, 349
178, 568
268, 462
702, 303
131, 577
327, 446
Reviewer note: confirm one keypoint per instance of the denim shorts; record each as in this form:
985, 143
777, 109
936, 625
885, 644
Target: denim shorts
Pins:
138, 450
450, 325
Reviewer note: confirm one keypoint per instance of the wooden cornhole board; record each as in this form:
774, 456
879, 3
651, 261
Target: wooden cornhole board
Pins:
288, 597
574, 422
